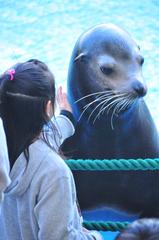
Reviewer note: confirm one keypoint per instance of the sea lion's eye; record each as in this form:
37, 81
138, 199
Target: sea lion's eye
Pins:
107, 70
141, 61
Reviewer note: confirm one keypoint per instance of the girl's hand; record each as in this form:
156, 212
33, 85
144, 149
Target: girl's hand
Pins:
62, 100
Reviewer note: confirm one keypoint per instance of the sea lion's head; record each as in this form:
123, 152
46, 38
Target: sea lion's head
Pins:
105, 72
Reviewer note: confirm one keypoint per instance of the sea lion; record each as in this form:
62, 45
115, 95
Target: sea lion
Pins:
106, 90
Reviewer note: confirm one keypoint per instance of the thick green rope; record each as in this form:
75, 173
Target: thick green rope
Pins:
105, 226
100, 165
121, 164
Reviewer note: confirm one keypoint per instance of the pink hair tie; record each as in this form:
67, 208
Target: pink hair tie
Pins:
11, 72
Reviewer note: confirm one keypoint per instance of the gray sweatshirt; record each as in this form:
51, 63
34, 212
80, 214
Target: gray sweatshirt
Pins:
40, 202
4, 163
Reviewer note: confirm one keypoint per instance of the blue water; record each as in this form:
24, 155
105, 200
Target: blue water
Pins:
48, 29
108, 215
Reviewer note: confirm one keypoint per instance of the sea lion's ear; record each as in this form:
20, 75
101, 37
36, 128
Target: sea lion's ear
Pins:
82, 57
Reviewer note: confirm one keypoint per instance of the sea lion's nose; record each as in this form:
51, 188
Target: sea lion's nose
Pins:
139, 88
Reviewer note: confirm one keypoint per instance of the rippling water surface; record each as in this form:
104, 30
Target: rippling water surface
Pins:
48, 30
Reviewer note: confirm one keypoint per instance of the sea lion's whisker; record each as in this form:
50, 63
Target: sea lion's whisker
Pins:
105, 97
103, 108
105, 102
95, 100
92, 94
110, 105
111, 121
114, 103
97, 107
121, 105
88, 105
128, 101
124, 101
115, 96
132, 100
116, 109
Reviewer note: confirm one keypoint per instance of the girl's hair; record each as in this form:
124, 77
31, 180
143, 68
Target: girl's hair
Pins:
142, 229
23, 99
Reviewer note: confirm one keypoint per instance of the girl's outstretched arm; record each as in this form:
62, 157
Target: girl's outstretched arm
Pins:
64, 122
62, 100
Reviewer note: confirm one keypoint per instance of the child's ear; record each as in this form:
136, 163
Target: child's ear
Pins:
49, 110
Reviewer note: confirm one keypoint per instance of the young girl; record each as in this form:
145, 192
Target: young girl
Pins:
40, 202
